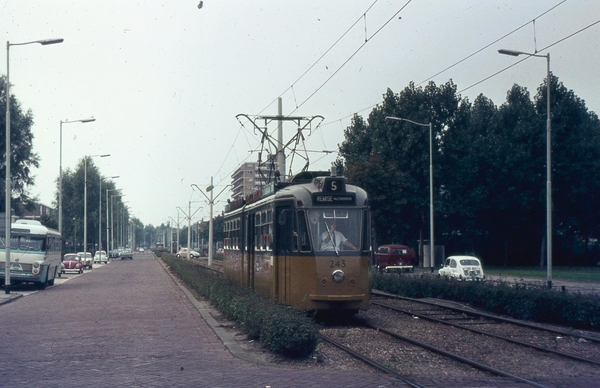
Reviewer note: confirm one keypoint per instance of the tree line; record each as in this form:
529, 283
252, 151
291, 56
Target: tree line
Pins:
489, 168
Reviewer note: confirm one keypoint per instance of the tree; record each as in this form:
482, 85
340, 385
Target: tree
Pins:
23, 159
489, 171
390, 159
575, 162
73, 207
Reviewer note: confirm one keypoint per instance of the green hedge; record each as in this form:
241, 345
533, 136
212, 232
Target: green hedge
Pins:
282, 329
538, 304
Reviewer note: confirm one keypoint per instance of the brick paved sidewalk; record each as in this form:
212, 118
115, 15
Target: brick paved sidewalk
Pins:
128, 324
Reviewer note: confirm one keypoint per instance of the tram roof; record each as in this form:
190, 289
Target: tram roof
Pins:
303, 187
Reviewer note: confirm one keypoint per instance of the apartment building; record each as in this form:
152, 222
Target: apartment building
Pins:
246, 180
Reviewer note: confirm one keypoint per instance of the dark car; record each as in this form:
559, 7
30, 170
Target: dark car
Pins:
395, 257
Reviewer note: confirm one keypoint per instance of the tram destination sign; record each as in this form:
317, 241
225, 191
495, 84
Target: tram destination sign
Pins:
334, 199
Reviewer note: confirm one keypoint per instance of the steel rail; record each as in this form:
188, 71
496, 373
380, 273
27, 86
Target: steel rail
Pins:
507, 339
490, 316
370, 362
456, 357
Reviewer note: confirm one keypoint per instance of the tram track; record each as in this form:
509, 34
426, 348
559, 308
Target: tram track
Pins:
530, 354
481, 314
447, 322
410, 381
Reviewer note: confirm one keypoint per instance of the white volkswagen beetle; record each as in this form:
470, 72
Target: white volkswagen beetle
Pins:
462, 268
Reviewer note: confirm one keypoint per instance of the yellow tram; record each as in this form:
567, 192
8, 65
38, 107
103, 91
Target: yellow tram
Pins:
304, 243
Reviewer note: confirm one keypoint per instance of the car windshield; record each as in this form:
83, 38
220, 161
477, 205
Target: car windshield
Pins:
24, 242
71, 257
469, 262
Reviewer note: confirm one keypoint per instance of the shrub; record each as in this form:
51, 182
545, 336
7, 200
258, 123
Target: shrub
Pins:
282, 329
538, 304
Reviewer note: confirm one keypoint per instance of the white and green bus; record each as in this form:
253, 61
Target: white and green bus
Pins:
35, 254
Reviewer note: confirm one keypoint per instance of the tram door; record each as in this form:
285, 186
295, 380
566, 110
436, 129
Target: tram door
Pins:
284, 221
250, 252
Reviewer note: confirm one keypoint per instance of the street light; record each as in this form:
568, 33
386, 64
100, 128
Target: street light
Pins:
515, 53
85, 198
211, 202
7, 187
100, 214
107, 228
60, 170
431, 243
112, 216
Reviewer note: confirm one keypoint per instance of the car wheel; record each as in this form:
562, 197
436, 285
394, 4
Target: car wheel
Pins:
81, 270
178, 255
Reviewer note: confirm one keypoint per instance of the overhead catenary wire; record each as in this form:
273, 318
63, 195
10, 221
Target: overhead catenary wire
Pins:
367, 39
468, 57
529, 56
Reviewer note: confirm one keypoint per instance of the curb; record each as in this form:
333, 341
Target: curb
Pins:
7, 298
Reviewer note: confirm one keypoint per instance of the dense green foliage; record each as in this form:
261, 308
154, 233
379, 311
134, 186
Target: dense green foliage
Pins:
578, 274
489, 172
282, 329
538, 304
23, 159
73, 207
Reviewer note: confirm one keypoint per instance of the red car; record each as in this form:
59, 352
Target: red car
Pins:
394, 257
72, 263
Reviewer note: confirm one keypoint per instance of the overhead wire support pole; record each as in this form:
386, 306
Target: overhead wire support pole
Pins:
211, 202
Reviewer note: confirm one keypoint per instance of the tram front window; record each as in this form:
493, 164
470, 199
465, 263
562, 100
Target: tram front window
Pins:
335, 229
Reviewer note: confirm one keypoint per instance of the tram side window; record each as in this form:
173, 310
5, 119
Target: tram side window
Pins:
303, 236
284, 231
269, 230
257, 235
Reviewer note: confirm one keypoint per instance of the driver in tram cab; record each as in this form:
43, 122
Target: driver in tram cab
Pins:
332, 238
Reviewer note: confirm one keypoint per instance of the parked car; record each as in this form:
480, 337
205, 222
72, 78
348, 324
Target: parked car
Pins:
72, 263
395, 257
183, 252
462, 268
100, 257
126, 254
86, 259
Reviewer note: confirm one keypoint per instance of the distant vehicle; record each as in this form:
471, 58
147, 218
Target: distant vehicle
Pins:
141, 249
34, 254
72, 263
126, 254
395, 257
183, 252
86, 259
462, 268
100, 257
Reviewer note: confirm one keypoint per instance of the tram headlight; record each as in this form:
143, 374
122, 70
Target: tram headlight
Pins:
338, 276
36, 268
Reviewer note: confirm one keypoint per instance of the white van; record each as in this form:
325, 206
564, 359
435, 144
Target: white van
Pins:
462, 268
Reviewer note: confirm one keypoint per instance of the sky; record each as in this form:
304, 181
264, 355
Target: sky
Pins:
165, 80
